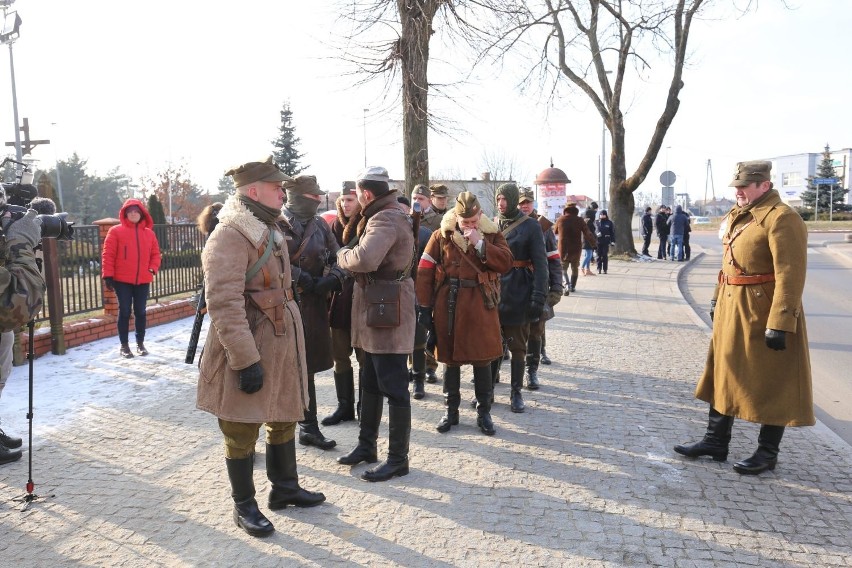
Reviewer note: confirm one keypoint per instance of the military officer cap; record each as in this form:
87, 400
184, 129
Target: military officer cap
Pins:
251, 172
421, 189
348, 188
467, 205
526, 194
756, 171
439, 190
303, 184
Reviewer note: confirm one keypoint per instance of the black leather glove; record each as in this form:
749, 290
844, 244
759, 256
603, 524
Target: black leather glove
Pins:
534, 310
424, 318
712, 309
108, 283
555, 296
251, 378
325, 284
305, 282
776, 339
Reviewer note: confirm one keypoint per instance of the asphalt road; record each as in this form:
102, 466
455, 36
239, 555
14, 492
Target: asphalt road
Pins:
828, 309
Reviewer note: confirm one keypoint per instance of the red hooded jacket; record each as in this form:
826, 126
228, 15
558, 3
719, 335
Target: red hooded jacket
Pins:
131, 251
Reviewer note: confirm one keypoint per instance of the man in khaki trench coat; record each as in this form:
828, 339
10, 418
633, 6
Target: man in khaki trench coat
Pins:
252, 370
758, 366
382, 320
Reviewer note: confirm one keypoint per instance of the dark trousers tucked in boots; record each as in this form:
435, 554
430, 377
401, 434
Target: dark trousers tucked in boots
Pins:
418, 371
452, 398
516, 398
483, 388
399, 433
766, 456
371, 419
281, 471
533, 358
246, 514
309, 432
716, 440
344, 384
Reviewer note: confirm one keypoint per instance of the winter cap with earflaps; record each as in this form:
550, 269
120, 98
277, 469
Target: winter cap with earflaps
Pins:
251, 172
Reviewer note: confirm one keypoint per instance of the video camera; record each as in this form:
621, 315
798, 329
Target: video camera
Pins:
22, 194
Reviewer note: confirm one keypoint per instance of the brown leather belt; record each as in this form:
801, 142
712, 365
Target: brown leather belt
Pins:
522, 264
465, 283
745, 280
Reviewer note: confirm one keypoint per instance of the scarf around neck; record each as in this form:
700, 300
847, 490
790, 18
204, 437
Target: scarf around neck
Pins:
266, 214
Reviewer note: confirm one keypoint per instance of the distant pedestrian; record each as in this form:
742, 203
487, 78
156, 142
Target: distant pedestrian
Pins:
129, 262
661, 223
677, 227
647, 230
605, 233
589, 245
573, 232
687, 250
758, 366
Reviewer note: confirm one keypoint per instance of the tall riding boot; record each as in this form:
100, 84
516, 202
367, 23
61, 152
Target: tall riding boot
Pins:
419, 387
574, 282
10, 442
452, 398
495, 378
516, 399
371, 418
399, 433
9, 455
766, 456
533, 358
246, 514
716, 440
309, 432
345, 386
281, 471
545, 360
483, 388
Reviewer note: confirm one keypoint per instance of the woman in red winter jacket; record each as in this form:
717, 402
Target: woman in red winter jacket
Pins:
130, 260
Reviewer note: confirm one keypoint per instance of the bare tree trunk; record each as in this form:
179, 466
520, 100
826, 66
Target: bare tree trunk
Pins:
416, 19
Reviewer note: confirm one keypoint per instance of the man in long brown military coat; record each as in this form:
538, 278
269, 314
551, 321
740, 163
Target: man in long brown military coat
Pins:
758, 365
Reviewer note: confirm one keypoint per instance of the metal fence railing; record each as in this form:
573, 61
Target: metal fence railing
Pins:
80, 267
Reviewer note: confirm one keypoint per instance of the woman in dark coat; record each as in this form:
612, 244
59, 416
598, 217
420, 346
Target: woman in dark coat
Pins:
606, 238
460, 270
588, 245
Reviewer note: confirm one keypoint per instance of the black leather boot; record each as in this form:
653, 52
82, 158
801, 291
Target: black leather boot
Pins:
281, 471
399, 432
766, 456
309, 432
533, 358
419, 387
371, 418
483, 388
246, 514
716, 440
545, 360
452, 398
345, 386
10, 442
9, 455
516, 398
574, 283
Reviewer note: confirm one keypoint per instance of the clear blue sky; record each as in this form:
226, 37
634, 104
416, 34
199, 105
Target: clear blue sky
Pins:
138, 84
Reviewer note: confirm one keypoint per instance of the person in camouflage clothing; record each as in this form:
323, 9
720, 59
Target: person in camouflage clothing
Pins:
21, 295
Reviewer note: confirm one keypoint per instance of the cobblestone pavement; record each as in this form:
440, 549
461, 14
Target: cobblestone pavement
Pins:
586, 477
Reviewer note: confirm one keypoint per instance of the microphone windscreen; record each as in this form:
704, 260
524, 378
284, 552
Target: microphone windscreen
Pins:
43, 206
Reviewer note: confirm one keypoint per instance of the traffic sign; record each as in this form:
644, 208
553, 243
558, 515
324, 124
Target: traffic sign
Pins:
826, 181
668, 178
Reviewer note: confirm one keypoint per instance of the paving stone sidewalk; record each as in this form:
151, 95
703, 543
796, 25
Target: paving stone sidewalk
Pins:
586, 477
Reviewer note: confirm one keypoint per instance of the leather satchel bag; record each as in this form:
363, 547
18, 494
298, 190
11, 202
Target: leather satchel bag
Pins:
382, 298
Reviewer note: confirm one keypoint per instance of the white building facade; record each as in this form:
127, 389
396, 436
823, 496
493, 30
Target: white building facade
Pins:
790, 173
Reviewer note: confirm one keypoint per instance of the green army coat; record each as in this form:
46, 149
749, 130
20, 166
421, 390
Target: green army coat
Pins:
743, 377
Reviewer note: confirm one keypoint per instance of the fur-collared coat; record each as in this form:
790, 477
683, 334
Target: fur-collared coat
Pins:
385, 245
240, 334
476, 335
743, 377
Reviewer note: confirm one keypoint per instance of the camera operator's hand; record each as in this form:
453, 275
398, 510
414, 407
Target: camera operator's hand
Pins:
251, 378
108, 283
26, 229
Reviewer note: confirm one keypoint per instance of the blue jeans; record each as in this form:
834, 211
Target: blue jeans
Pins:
131, 296
677, 241
587, 259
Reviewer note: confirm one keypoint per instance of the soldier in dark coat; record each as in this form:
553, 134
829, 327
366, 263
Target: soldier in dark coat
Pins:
340, 315
523, 288
312, 249
457, 296
536, 342
647, 230
383, 318
661, 222
605, 233
758, 365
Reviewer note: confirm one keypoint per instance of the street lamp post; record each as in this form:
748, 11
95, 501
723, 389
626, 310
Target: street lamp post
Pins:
366, 110
11, 32
58, 174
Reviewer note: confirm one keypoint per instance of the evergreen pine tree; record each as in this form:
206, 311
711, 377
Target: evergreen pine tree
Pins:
830, 196
155, 208
286, 154
226, 187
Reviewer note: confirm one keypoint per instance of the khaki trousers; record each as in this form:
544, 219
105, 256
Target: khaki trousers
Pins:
241, 437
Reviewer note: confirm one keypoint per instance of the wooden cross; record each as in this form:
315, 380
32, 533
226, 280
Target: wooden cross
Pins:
27, 145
